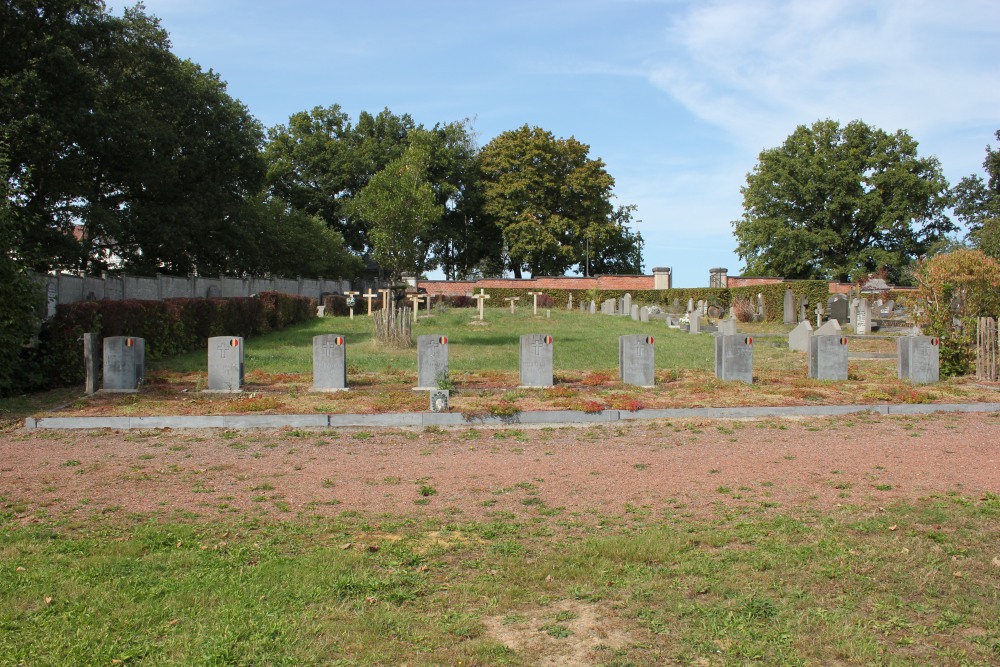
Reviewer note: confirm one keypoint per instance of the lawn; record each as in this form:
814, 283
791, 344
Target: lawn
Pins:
912, 584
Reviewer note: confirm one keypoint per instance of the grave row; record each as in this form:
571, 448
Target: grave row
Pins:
124, 360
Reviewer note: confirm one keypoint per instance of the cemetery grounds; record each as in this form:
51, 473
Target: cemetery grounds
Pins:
851, 540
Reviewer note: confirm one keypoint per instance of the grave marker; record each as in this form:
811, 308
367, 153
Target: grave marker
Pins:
828, 357
634, 312
480, 300
627, 304
91, 362
536, 360
225, 364
788, 316
644, 314
863, 318
415, 298
329, 363
727, 327
369, 295
734, 358
829, 328
512, 300
798, 338
385, 297
432, 361
694, 322
534, 301
919, 359
636, 360
124, 364
838, 308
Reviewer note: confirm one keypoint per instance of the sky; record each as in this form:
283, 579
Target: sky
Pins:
677, 97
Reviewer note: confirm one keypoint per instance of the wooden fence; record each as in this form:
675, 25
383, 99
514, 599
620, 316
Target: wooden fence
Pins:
986, 349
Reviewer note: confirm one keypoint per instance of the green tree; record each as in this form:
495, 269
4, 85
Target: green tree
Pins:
548, 198
106, 128
320, 161
977, 204
836, 202
400, 208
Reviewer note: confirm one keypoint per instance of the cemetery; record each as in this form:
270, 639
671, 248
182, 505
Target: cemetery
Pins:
512, 356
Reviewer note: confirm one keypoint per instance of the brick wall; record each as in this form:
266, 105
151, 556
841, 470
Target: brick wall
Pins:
741, 281
463, 287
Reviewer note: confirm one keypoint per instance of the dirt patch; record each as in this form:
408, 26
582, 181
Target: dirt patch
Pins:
563, 634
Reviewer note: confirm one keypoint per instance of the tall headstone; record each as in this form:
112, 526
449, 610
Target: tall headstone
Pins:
838, 308
536, 360
694, 325
803, 309
828, 357
225, 363
627, 303
124, 363
636, 360
727, 327
690, 304
634, 311
432, 360
734, 358
569, 301
91, 362
761, 312
593, 307
798, 338
788, 316
644, 314
863, 318
329, 363
919, 359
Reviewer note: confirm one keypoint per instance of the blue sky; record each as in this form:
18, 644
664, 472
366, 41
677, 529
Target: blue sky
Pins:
678, 97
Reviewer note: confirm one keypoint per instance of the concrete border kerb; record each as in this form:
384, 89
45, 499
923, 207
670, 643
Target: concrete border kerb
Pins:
540, 417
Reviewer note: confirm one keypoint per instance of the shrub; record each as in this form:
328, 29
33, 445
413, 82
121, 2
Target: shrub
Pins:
460, 301
743, 309
545, 301
957, 288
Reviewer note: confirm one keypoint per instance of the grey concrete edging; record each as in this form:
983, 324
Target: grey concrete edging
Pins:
418, 419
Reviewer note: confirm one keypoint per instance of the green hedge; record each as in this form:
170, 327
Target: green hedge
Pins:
169, 327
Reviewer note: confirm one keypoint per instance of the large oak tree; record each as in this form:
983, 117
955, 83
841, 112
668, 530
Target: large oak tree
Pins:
838, 203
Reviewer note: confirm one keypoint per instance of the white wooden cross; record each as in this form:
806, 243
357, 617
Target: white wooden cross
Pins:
512, 299
479, 301
534, 300
350, 301
415, 298
385, 297
369, 295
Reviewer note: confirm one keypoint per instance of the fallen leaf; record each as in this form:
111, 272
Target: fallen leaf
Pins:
20, 569
893, 527
373, 548
548, 577
371, 600
174, 621
48, 599
957, 575
996, 562
346, 545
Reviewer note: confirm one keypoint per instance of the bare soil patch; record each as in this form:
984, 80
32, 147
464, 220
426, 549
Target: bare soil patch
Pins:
698, 467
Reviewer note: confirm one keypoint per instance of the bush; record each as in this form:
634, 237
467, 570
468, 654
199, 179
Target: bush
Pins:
169, 327
461, 302
957, 288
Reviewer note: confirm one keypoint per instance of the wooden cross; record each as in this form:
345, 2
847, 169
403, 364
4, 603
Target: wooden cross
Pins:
534, 300
350, 301
512, 299
427, 299
385, 297
369, 295
415, 298
480, 301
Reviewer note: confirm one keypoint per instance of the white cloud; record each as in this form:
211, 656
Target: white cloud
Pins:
759, 68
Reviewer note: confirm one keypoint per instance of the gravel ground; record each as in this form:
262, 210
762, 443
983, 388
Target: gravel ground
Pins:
471, 474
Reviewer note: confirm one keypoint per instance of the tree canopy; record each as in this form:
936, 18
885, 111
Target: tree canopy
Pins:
838, 202
977, 204
552, 201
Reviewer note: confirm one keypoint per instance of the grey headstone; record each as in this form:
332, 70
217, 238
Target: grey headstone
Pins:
830, 328
636, 360
329, 363
734, 358
91, 362
695, 322
789, 307
644, 314
798, 338
432, 360
225, 363
536, 360
627, 303
690, 304
727, 327
124, 363
852, 312
828, 357
593, 307
863, 318
803, 308
838, 308
634, 312
919, 359
673, 321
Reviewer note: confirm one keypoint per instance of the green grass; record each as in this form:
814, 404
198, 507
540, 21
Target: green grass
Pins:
581, 342
913, 584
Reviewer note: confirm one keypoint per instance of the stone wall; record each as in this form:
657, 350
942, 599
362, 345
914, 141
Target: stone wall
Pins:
69, 288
